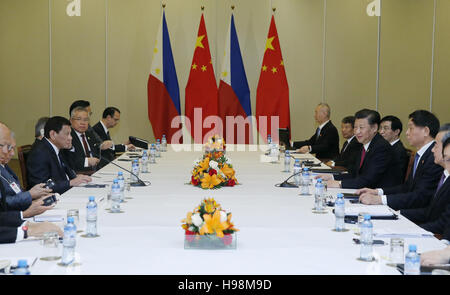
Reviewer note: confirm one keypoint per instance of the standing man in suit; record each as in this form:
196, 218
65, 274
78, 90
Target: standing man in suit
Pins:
421, 184
325, 141
47, 160
351, 146
373, 165
15, 196
390, 129
436, 216
84, 154
110, 118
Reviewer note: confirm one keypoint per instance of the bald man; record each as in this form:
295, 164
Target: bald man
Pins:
325, 141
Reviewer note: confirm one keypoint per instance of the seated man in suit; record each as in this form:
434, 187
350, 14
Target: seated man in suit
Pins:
325, 141
421, 184
372, 167
351, 146
87, 105
390, 129
84, 155
47, 161
39, 130
436, 216
12, 224
16, 197
110, 118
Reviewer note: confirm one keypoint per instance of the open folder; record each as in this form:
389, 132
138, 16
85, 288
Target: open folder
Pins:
375, 211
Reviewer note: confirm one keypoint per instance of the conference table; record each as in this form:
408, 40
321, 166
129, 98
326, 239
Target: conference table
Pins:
278, 232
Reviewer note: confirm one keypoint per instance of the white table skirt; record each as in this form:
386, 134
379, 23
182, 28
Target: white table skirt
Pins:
278, 232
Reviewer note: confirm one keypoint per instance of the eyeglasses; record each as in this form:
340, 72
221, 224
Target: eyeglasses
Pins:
8, 147
79, 119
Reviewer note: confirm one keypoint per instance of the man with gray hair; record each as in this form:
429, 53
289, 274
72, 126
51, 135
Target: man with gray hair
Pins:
39, 130
15, 197
325, 141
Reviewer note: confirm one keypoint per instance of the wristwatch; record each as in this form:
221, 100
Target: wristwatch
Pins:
25, 231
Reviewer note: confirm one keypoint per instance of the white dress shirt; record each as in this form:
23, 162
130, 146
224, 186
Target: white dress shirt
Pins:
420, 152
86, 162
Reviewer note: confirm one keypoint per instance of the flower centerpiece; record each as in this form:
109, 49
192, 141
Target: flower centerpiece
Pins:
209, 227
214, 170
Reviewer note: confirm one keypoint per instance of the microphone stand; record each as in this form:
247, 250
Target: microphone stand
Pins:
287, 184
140, 182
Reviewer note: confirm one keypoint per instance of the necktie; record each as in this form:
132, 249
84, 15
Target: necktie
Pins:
63, 166
344, 146
317, 133
107, 136
85, 145
363, 155
416, 161
441, 182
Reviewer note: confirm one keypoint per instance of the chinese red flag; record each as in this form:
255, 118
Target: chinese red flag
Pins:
272, 94
201, 88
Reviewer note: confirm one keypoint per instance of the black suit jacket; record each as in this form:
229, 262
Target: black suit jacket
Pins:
375, 170
9, 220
348, 158
8, 234
436, 216
15, 201
326, 146
400, 161
109, 153
76, 156
43, 164
418, 191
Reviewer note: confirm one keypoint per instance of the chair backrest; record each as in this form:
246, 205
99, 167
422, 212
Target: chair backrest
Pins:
410, 165
23, 152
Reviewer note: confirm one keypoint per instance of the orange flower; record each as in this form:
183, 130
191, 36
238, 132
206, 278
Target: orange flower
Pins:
188, 219
210, 181
213, 225
229, 172
230, 225
203, 165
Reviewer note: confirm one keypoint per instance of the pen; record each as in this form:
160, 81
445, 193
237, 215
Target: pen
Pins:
34, 261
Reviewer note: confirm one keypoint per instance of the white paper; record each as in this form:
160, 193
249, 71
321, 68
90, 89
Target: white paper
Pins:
373, 210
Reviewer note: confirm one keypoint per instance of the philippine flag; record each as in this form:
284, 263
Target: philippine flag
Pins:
234, 93
163, 91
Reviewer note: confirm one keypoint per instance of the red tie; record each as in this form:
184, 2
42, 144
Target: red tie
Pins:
363, 154
86, 148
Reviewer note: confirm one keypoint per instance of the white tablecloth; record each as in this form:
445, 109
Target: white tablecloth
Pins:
278, 234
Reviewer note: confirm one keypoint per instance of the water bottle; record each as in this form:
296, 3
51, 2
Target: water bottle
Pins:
164, 143
121, 181
412, 261
69, 242
305, 182
144, 168
366, 239
318, 195
152, 154
297, 170
135, 170
22, 268
339, 213
287, 161
273, 150
269, 139
115, 196
158, 149
91, 217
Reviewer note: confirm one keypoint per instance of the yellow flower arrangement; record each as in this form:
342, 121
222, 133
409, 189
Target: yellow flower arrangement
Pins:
214, 170
208, 219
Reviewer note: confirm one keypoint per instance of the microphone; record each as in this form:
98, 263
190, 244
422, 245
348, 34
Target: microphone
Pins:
286, 183
140, 182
